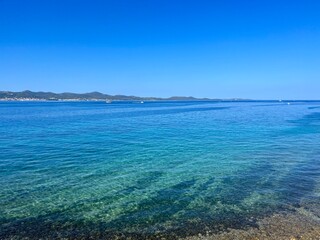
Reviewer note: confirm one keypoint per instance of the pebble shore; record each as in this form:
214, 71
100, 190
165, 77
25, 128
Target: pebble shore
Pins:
300, 225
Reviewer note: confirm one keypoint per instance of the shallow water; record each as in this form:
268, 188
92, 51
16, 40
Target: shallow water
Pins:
171, 169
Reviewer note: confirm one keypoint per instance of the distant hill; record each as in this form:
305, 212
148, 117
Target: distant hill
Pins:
29, 96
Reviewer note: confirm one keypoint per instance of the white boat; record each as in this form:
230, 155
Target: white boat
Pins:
108, 101
142, 102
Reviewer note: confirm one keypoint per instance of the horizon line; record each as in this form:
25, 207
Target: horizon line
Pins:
174, 96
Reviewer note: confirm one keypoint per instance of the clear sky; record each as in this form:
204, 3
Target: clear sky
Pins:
250, 49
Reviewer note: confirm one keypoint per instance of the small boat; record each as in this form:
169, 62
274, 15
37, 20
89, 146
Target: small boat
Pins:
108, 101
142, 102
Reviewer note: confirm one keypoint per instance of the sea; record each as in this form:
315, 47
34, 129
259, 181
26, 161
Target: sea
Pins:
152, 170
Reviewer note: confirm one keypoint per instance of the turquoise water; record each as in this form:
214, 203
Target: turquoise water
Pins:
172, 169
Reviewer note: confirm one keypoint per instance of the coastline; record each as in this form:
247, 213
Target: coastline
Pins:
278, 226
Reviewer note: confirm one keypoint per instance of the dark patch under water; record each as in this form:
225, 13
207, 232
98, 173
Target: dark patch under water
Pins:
151, 215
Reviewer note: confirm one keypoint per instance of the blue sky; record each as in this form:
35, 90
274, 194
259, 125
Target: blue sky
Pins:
248, 49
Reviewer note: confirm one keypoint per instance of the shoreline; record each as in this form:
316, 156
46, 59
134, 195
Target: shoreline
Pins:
300, 223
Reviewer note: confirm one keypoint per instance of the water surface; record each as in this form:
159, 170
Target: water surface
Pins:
172, 169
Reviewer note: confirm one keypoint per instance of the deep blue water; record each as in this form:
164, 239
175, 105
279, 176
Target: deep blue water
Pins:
91, 169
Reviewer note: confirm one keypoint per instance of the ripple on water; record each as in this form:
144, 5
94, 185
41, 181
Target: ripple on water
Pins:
80, 170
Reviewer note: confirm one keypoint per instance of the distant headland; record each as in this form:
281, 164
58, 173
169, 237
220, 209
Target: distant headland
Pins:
92, 96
